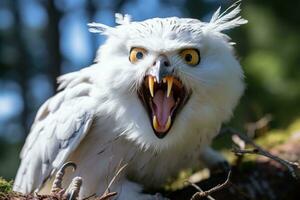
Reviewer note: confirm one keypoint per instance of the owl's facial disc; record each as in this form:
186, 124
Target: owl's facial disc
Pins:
162, 100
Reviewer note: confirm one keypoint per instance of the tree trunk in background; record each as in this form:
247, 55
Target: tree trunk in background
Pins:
53, 42
91, 11
119, 4
22, 62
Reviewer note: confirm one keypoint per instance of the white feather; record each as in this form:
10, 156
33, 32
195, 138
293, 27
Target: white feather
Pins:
216, 15
99, 28
228, 19
120, 19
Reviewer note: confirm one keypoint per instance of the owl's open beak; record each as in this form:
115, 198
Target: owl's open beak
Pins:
163, 95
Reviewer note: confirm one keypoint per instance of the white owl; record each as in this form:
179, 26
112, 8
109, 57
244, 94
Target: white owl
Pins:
154, 99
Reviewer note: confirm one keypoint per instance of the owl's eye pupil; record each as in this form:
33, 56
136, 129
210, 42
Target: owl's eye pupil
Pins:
139, 55
188, 57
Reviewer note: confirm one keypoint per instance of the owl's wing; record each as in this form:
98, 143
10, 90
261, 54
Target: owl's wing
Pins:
60, 125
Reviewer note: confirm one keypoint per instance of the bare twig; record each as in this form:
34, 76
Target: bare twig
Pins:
291, 166
114, 178
88, 197
199, 195
106, 195
260, 124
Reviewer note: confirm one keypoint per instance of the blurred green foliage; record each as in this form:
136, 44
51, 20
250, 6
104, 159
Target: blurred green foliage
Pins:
5, 186
269, 50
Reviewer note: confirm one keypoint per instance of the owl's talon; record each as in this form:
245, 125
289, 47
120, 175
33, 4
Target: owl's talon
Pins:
66, 165
57, 183
74, 188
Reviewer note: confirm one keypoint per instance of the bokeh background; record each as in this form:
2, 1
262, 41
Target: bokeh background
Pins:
41, 39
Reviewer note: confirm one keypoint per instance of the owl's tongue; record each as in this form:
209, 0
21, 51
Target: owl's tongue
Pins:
162, 109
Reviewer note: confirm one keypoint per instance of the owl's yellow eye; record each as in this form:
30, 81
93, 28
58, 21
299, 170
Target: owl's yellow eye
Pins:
137, 54
190, 56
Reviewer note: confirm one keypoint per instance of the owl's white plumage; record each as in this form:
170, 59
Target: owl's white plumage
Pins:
97, 119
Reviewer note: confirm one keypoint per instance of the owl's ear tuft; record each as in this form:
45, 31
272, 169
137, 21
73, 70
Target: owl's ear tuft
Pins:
100, 28
228, 19
107, 30
122, 19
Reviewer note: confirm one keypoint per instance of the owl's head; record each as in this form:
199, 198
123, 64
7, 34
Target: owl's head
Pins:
172, 78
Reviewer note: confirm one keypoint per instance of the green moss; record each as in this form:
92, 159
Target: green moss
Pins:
5, 186
294, 127
180, 181
267, 140
273, 138
277, 137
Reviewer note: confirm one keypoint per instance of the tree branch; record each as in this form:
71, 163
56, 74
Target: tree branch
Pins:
292, 167
201, 194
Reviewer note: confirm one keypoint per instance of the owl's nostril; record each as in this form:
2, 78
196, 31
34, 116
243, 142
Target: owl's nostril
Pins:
166, 63
163, 61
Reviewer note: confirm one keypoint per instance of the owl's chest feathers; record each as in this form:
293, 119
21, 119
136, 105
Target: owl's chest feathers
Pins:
154, 168
148, 167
